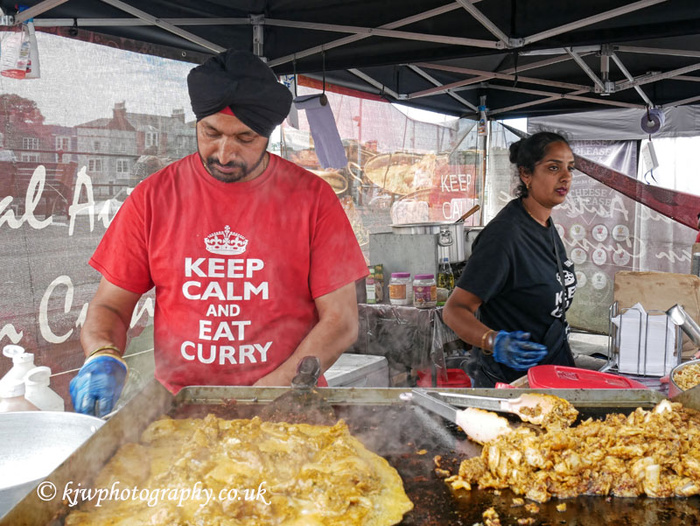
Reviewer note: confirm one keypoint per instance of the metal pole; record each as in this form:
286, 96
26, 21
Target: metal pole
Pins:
482, 138
258, 36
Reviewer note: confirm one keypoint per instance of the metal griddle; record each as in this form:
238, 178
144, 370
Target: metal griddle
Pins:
408, 436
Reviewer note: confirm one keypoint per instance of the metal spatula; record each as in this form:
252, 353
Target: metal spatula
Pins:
480, 426
302, 404
530, 407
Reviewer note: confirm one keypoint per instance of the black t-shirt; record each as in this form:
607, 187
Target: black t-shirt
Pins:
513, 270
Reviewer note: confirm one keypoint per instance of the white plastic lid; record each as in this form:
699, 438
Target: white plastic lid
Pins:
38, 376
26, 357
14, 352
11, 388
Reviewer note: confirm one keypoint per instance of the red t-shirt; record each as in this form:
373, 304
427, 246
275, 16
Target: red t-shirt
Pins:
236, 266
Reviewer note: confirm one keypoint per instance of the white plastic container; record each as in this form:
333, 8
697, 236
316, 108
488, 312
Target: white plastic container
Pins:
38, 392
12, 397
400, 288
22, 363
358, 370
424, 291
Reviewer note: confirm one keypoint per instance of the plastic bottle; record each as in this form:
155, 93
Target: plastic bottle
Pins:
38, 392
12, 397
33, 70
15, 53
22, 363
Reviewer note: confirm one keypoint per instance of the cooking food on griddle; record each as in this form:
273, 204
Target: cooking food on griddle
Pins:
548, 411
311, 475
491, 517
654, 453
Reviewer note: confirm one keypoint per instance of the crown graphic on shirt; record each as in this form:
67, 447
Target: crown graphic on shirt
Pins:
226, 242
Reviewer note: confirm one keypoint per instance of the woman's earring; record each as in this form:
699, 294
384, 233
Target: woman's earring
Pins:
527, 185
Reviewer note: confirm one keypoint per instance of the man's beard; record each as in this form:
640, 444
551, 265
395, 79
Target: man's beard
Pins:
241, 169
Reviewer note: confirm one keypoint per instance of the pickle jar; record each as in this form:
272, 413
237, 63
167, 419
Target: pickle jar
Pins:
400, 289
424, 291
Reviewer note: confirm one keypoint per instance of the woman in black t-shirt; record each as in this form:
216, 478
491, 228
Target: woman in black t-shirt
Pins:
510, 300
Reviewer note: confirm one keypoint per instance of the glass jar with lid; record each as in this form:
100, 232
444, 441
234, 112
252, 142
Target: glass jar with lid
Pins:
424, 291
400, 289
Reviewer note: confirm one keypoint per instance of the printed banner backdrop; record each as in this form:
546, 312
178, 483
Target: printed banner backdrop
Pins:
73, 144
399, 170
606, 232
596, 224
101, 118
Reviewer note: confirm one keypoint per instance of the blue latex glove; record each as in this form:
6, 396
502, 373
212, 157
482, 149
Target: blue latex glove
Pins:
98, 385
516, 351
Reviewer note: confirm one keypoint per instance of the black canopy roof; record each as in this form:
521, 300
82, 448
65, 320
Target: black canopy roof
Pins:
519, 57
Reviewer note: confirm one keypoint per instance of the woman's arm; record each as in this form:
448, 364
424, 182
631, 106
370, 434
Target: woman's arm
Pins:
459, 315
509, 348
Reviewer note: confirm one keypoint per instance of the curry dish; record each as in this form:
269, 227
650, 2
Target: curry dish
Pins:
310, 475
688, 376
654, 453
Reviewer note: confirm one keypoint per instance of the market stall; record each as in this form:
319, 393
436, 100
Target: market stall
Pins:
400, 172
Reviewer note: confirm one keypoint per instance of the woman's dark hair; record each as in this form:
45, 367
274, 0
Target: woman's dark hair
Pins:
527, 152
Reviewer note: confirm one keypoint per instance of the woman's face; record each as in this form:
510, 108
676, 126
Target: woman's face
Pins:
550, 182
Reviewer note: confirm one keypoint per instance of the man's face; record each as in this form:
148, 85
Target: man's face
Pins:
230, 151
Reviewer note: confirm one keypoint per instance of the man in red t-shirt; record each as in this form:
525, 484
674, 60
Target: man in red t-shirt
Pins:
697, 238
252, 258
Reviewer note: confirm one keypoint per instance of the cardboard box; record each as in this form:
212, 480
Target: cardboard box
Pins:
659, 291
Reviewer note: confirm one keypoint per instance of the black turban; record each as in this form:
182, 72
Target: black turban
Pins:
244, 83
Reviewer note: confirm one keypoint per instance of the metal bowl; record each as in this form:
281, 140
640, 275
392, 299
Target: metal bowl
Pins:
34, 443
673, 387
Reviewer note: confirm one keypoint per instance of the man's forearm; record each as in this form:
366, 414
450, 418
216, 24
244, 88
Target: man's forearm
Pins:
103, 327
108, 317
335, 331
327, 341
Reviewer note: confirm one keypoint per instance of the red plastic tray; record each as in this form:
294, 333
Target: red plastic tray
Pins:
561, 377
455, 378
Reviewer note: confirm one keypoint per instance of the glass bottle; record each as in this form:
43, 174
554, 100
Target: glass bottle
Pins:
446, 278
